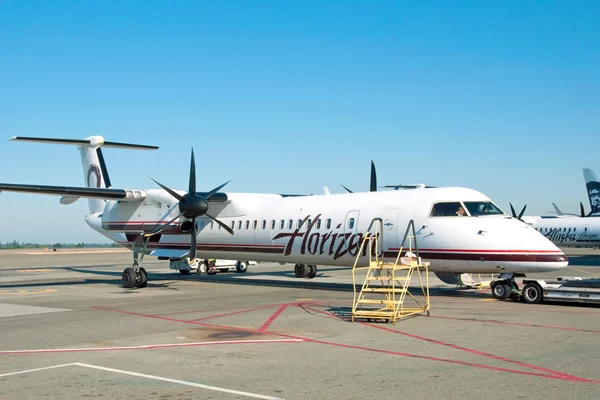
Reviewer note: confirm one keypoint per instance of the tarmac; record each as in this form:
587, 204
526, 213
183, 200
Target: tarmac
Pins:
68, 329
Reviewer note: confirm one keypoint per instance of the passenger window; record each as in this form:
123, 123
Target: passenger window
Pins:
247, 225
574, 229
309, 221
282, 224
232, 224
351, 223
240, 224
273, 225
299, 223
328, 223
290, 224
201, 225
211, 225
254, 225
263, 225
319, 223
449, 209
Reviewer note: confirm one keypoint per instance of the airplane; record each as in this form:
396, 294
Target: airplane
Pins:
566, 229
301, 230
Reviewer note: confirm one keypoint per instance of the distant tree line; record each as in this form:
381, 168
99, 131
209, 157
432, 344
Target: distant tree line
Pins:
29, 245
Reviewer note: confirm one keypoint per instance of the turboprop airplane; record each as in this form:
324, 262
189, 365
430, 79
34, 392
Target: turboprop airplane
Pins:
458, 230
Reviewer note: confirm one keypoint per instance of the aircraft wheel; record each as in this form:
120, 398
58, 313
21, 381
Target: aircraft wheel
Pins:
312, 271
242, 266
128, 278
184, 271
532, 293
143, 278
300, 271
501, 291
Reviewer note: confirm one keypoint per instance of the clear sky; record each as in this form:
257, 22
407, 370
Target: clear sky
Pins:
288, 96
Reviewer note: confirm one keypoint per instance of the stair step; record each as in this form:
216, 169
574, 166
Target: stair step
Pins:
372, 301
387, 278
384, 290
373, 313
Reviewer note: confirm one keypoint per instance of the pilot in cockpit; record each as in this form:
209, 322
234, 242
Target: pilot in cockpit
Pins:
461, 211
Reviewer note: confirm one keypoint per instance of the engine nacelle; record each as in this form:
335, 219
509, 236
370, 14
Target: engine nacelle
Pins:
185, 226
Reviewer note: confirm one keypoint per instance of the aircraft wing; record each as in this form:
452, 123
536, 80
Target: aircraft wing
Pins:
76, 192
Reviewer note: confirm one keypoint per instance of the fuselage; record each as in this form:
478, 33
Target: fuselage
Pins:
568, 231
328, 230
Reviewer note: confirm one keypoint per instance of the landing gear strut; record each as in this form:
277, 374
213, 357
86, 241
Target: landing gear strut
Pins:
506, 288
136, 276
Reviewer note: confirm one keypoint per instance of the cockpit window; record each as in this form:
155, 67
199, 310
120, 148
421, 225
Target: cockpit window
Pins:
448, 209
482, 208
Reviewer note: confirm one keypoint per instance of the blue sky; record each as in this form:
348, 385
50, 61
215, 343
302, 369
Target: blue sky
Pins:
499, 96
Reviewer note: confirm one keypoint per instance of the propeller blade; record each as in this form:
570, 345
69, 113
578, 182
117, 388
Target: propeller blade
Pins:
582, 210
192, 186
373, 177
215, 190
192, 253
159, 230
347, 190
514, 214
228, 229
171, 192
522, 211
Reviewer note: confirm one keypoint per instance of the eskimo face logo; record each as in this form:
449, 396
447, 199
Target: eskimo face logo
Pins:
96, 171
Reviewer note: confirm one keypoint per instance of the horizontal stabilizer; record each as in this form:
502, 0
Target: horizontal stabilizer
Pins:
94, 141
86, 192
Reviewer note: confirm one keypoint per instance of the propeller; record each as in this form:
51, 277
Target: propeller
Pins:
373, 183
192, 205
514, 214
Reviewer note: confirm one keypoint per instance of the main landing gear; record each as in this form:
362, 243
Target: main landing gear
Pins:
136, 276
305, 271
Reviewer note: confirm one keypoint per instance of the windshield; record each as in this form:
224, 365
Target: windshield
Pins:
482, 208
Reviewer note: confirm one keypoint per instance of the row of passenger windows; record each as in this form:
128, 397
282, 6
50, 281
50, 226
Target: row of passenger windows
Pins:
281, 224
545, 230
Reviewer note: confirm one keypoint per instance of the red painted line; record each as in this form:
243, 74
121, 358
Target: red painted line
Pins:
272, 318
482, 366
518, 324
326, 313
220, 309
473, 351
151, 346
234, 312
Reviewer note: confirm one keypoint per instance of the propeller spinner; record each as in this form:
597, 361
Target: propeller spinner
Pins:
192, 205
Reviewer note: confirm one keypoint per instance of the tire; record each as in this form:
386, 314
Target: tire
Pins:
532, 293
312, 271
241, 266
184, 271
143, 278
128, 278
300, 271
501, 291
223, 269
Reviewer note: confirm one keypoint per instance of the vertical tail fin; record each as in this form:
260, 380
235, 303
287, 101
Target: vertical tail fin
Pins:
593, 189
95, 173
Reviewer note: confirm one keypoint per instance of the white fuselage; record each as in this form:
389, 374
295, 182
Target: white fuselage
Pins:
266, 228
568, 231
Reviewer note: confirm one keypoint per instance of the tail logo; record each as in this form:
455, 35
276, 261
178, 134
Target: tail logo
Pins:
96, 171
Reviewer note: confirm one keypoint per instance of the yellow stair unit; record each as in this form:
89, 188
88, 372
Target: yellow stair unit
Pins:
387, 283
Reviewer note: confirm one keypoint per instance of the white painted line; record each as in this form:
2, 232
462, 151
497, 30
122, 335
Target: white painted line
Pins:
150, 346
198, 385
36, 369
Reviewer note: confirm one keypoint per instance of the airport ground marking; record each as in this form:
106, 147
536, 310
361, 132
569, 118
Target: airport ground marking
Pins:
518, 324
473, 351
564, 377
150, 346
140, 375
272, 318
36, 370
28, 291
186, 383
